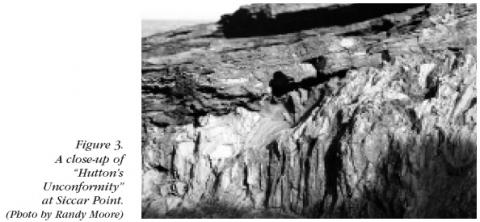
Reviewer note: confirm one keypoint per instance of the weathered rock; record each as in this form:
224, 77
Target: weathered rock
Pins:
373, 116
265, 19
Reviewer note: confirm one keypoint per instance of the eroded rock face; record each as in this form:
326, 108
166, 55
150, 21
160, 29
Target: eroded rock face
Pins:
269, 19
353, 120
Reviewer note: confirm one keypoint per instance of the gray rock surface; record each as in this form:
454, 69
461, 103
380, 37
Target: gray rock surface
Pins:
372, 117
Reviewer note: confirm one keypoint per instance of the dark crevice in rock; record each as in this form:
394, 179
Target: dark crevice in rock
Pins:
281, 84
175, 34
197, 115
432, 85
318, 62
283, 163
173, 170
162, 169
307, 167
248, 191
273, 149
333, 164
245, 180
217, 181
276, 160
472, 103
196, 149
319, 79
159, 124
386, 56
415, 121
307, 113
268, 191
314, 83
246, 22
431, 92
257, 46
155, 89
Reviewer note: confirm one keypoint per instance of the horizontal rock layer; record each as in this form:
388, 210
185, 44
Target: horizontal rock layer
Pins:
370, 116
268, 19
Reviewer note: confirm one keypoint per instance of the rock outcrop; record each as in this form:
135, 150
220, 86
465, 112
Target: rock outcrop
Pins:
346, 115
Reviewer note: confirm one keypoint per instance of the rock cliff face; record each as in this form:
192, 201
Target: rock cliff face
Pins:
308, 111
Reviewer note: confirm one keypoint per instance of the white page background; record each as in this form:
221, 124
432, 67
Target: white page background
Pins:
68, 71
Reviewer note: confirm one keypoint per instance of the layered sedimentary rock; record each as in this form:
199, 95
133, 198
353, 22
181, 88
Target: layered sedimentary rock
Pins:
373, 116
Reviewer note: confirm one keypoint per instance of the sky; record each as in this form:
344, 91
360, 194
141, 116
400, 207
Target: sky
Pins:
188, 10
206, 10
160, 16
211, 10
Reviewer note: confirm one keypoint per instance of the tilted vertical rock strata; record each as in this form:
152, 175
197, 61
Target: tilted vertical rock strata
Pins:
285, 110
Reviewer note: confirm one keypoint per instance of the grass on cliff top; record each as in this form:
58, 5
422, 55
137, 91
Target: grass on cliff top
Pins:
215, 209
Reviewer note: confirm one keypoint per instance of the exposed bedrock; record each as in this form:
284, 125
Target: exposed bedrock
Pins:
338, 120
269, 19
